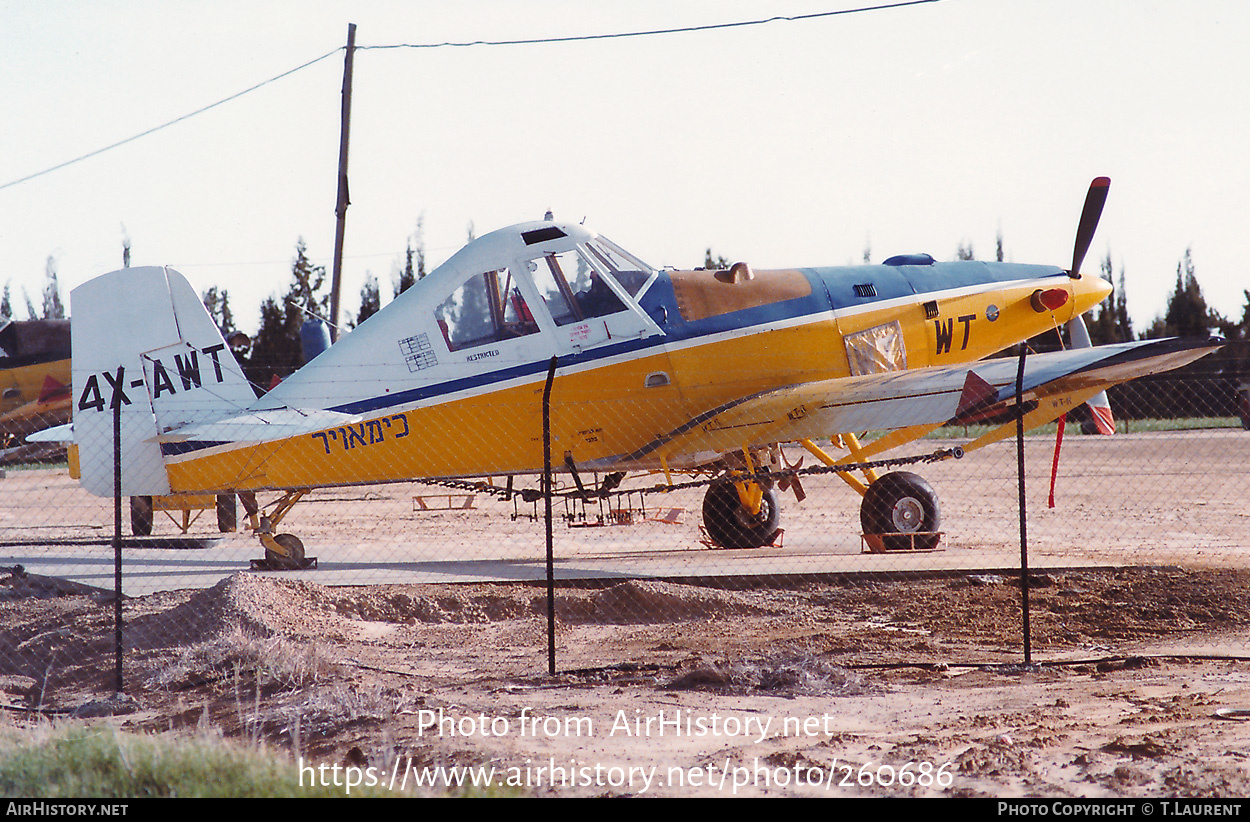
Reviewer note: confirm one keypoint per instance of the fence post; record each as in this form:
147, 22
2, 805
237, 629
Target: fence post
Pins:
117, 537
551, 584
1024, 538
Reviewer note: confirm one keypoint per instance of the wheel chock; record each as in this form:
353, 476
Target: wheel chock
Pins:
874, 544
265, 564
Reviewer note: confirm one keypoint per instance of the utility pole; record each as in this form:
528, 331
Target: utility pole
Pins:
340, 208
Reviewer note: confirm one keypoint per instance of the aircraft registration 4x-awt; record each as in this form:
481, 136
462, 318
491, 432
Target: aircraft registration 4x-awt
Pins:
704, 371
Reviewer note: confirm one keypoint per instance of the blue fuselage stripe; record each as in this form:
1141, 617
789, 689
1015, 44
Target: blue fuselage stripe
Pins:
832, 290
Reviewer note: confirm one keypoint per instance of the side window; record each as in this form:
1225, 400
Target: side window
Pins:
487, 308
572, 289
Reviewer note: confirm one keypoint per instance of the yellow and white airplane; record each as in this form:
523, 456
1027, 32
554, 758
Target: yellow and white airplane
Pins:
656, 370
34, 379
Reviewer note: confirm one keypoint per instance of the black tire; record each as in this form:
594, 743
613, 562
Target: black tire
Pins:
294, 549
227, 513
900, 504
141, 516
730, 525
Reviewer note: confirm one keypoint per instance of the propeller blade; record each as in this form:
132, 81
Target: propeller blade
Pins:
1078, 334
1094, 201
1103, 421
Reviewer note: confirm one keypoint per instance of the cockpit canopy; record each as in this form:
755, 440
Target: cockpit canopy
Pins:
573, 275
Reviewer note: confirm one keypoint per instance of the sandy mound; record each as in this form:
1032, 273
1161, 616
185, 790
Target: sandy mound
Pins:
644, 601
255, 605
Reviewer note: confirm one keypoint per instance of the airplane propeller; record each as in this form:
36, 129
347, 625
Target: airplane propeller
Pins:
1078, 333
1094, 201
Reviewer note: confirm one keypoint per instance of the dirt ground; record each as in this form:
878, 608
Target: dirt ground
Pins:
904, 681
877, 688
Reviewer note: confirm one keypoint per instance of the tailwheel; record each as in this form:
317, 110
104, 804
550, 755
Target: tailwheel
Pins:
730, 522
283, 552
900, 512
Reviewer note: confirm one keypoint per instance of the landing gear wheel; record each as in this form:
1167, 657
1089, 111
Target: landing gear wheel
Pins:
141, 516
294, 549
227, 513
730, 525
900, 512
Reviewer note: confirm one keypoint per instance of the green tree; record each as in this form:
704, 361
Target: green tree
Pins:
1122, 321
414, 259
276, 350
405, 278
307, 282
1187, 314
6, 304
1109, 323
964, 252
714, 263
1242, 330
370, 300
53, 308
218, 304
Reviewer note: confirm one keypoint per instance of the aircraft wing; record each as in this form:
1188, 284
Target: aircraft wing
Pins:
924, 396
34, 416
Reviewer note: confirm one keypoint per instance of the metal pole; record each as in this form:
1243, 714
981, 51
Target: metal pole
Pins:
117, 537
1024, 538
340, 208
551, 583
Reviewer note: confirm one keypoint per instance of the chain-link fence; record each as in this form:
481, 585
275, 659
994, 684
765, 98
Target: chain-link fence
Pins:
1146, 537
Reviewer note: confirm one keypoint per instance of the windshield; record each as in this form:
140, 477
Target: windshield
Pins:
573, 290
628, 270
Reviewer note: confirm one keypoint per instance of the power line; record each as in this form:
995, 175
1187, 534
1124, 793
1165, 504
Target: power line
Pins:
449, 44
155, 129
652, 32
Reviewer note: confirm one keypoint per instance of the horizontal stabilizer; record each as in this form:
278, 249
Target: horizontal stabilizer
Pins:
57, 433
253, 427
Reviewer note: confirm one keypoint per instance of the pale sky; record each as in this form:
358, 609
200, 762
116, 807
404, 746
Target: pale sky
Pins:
785, 144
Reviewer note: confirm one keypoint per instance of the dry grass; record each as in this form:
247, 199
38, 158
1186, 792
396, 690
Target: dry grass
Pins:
267, 662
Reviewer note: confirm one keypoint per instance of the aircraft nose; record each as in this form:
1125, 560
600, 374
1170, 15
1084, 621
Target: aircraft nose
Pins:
1102, 288
1089, 291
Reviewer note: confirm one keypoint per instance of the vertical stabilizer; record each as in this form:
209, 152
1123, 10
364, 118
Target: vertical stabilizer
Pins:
143, 341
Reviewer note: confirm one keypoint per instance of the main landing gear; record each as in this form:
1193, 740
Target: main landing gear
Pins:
741, 514
900, 512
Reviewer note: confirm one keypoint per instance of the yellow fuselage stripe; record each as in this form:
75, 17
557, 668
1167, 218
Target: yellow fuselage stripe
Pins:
604, 411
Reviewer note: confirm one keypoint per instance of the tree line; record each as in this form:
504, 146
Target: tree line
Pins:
276, 350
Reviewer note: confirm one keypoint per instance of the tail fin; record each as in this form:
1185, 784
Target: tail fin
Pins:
144, 343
